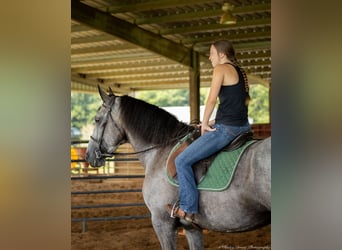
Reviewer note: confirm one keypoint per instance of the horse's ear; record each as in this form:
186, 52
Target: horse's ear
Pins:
103, 94
110, 91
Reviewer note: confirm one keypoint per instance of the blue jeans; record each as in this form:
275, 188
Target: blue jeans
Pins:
204, 146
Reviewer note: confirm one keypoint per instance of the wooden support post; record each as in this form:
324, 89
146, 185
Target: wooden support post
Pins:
194, 87
270, 102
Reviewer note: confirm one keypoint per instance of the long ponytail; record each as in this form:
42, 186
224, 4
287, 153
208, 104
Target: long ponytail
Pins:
235, 61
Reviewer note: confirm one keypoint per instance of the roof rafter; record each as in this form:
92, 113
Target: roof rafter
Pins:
130, 32
153, 5
214, 26
180, 17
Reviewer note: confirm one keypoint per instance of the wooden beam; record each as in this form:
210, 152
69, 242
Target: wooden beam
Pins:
180, 17
239, 47
232, 37
91, 84
132, 33
92, 39
194, 87
131, 63
103, 49
77, 61
141, 73
152, 5
262, 22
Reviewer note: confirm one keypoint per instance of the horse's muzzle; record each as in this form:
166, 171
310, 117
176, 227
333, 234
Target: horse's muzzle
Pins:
96, 159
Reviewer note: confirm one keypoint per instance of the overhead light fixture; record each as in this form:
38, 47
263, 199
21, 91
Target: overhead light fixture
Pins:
227, 17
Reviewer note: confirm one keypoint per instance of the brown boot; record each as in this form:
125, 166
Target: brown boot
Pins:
175, 211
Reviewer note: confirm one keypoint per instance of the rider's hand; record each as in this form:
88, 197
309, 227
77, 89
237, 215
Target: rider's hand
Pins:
205, 128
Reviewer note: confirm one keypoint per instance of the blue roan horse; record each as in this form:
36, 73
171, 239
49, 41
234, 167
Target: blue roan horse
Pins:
151, 131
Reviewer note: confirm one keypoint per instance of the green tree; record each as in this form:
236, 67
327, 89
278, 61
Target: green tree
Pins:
169, 98
165, 98
258, 108
83, 108
203, 95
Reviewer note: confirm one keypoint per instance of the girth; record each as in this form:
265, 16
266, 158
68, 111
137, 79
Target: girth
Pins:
200, 168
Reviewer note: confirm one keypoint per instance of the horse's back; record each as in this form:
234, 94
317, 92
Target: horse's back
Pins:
253, 174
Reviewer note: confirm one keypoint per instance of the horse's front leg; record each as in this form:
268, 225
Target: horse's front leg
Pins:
165, 228
195, 238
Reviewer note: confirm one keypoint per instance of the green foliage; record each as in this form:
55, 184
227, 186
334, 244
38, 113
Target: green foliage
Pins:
259, 104
169, 98
83, 108
165, 98
203, 95
258, 107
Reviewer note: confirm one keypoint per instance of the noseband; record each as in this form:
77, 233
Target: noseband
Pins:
98, 153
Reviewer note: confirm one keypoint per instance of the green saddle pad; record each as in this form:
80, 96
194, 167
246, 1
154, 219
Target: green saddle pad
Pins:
221, 171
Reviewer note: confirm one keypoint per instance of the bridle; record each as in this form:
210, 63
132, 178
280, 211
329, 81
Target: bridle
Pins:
98, 153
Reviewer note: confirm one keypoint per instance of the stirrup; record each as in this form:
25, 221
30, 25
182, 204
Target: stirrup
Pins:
173, 211
187, 220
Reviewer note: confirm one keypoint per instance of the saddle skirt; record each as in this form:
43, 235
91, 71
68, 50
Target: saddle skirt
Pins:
215, 172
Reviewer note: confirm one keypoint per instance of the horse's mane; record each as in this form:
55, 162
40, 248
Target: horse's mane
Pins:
152, 123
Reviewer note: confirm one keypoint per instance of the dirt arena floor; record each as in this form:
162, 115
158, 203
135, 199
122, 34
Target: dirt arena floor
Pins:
138, 233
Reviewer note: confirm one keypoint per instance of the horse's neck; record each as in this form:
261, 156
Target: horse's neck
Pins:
149, 154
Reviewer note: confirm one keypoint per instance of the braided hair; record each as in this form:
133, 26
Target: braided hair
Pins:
226, 47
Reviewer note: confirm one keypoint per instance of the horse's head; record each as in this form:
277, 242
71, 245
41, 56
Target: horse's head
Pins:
107, 134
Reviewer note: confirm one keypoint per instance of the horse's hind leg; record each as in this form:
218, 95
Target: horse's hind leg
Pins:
195, 238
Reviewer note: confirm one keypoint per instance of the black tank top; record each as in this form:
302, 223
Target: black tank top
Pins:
232, 109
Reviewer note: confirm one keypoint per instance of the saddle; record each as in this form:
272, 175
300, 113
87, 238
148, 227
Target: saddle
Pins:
201, 167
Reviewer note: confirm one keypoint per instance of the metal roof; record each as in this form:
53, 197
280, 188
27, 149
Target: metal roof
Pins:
143, 44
